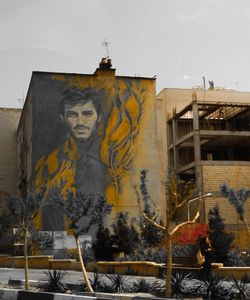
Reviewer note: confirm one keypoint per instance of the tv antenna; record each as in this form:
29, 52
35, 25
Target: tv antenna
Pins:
21, 100
106, 45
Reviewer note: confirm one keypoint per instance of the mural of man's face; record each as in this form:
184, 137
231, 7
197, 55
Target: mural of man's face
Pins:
81, 119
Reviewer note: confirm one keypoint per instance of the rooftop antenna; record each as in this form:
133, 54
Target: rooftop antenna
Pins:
204, 82
21, 100
106, 62
106, 45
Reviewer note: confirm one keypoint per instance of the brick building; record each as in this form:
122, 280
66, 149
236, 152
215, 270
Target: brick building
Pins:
208, 139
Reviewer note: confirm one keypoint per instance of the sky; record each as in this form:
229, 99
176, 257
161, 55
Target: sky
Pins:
179, 41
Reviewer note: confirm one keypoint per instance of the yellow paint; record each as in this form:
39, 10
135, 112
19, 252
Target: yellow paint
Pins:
133, 109
38, 221
111, 195
52, 162
120, 139
51, 173
127, 124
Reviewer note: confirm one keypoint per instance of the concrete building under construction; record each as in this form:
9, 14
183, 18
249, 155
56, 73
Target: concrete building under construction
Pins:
208, 139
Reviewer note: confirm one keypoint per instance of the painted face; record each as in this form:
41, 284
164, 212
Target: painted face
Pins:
81, 119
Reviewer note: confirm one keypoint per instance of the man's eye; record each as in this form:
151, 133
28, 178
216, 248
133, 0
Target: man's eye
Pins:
87, 113
71, 114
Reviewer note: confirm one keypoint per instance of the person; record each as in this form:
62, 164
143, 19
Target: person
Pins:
207, 251
74, 166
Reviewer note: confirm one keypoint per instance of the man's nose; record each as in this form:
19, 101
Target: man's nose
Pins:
81, 119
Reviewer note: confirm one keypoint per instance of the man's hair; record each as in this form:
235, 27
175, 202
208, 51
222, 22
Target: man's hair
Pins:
75, 95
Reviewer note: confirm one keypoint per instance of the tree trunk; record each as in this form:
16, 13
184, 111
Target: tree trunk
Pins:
247, 227
84, 272
169, 267
26, 265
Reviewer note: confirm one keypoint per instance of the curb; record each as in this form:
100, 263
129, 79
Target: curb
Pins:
10, 294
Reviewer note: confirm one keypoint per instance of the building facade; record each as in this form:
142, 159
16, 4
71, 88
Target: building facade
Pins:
9, 119
88, 133
208, 139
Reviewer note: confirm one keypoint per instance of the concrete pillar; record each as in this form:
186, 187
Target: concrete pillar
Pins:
175, 150
197, 147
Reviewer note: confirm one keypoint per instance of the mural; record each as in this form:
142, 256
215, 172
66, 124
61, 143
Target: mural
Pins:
92, 140
75, 165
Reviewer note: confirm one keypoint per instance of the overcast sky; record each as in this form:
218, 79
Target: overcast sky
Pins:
178, 40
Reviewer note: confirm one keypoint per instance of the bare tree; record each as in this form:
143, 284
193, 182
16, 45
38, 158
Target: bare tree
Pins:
89, 208
22, 212
237, 198
177, 195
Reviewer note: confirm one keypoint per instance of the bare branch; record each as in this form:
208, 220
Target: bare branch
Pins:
153, 222
179, 205
179, 226
150, 220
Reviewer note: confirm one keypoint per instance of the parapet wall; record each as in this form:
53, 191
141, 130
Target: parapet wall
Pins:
139, 268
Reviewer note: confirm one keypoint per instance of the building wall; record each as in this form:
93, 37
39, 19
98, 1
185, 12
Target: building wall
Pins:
24, 146
9, 119
161, 143
236, 176
177, 99
125, 140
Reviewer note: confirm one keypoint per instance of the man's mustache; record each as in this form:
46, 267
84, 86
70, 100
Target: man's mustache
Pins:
81, 127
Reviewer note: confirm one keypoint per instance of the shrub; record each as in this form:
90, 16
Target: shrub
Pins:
246, 258
158, 254
177, 284
125, 236
147, 254
150, 235
118, 283
184, 250
221, 241
217, 289
54, 283
102, 247
142, 285
97, 283
242, 291
234, 258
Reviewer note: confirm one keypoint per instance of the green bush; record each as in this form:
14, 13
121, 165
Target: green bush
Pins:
118, 283
221, 241
102, 247
125, 236
54, 282
234, 259
157, 255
